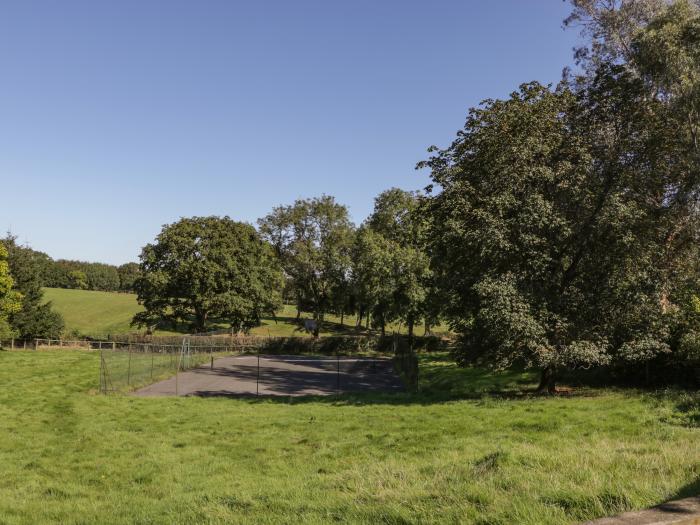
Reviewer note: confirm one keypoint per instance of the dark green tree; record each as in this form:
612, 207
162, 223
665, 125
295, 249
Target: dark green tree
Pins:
208, 269
127, 276
36, 317
397, 218
312, 239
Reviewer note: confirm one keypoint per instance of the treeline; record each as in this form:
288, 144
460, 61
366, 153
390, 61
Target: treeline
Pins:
89, 275
207, 270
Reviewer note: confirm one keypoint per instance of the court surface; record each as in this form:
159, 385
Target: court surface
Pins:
282, 375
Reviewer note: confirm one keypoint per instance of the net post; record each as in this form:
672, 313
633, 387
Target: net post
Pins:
128, 369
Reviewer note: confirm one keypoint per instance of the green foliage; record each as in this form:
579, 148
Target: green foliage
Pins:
565, 227
391, 273
128, 273
35, 318
208, 268
81, 275
312, 239
10, 299
77, 280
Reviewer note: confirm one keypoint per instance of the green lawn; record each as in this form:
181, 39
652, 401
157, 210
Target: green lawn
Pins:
451, 453
98, 314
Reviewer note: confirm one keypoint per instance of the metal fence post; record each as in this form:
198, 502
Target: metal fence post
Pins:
128, 370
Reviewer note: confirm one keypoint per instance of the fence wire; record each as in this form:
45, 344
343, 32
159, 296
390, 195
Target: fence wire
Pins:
127, 365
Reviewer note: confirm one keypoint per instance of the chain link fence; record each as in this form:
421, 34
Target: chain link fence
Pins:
131, 363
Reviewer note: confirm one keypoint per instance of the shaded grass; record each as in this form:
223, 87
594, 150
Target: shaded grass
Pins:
70, 456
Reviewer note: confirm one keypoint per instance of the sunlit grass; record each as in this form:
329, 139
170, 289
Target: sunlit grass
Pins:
99, 314
450, 453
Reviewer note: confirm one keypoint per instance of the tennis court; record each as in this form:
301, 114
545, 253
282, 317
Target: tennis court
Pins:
282, 375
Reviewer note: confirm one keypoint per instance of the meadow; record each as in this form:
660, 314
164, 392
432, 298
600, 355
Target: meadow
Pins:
469, 447
99, 314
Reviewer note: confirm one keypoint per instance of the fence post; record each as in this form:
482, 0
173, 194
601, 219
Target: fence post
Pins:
152, 354
128, 370
337, 356
103, 387
25, 344
257, 381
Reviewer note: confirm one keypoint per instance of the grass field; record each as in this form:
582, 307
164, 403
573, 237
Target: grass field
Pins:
98, 314
451, 453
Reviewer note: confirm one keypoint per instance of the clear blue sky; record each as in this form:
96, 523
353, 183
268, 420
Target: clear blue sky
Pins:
119, 117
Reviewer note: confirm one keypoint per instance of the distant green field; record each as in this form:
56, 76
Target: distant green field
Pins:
94, 313
98, 314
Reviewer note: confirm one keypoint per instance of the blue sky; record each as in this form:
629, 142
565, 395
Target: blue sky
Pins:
119, 117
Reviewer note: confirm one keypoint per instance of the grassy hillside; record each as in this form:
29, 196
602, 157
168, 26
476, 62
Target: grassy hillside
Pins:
98, 314
450, 454
94, 313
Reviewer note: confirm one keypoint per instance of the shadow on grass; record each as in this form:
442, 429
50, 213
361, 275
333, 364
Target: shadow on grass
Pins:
440, 381
327, 327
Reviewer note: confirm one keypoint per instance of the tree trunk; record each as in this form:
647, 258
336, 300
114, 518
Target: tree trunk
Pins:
360, 315
427, 328
200, 320
548, 382
410, 324
342, 318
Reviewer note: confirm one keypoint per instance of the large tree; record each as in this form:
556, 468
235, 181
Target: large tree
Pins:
36, 317
565, 217
313, 238
205, 269
397, 218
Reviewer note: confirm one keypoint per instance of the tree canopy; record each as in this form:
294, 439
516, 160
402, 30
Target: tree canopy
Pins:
312, 239
205, 269
564, 218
